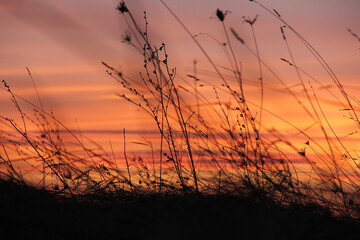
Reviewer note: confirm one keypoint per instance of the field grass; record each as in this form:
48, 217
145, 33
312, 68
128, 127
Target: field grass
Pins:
216, 170
30, 212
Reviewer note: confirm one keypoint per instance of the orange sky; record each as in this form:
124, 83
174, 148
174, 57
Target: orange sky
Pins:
64, 42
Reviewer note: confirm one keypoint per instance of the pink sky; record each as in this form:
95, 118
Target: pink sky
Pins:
64, 42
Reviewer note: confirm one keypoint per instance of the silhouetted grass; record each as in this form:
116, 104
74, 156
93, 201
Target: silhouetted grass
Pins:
248, 179
29, 212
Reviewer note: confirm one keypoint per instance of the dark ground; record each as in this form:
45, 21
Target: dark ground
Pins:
27, 213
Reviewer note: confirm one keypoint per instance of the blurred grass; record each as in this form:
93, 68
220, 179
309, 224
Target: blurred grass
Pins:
254, 189
27, 212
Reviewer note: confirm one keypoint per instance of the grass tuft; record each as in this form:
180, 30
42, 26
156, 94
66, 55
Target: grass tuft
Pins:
216, 154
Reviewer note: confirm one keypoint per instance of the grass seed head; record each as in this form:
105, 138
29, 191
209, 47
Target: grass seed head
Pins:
122, 8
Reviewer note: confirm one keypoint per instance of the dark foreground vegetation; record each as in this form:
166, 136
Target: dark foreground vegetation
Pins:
29, 213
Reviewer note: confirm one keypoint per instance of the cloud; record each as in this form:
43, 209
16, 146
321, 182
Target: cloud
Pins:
14, 5
59, 27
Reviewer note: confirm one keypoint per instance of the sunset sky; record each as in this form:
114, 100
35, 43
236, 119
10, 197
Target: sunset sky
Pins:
63, 44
